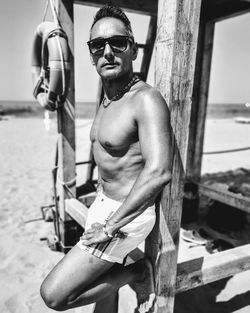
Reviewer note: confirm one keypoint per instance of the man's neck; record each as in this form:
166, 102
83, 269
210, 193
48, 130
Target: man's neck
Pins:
113, 86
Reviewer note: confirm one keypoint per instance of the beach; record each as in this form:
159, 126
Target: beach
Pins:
26, 160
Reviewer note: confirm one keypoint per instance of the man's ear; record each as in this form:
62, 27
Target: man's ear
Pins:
135, 50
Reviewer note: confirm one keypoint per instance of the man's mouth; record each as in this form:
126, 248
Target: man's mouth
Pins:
109, 65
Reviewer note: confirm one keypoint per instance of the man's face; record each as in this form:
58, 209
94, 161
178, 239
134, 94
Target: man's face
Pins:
111, 64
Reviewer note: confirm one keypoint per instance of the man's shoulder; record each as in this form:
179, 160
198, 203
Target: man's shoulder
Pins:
148, 97
146, 90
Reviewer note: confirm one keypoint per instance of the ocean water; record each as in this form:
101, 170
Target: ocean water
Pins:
32, 108
227, 110
87, 109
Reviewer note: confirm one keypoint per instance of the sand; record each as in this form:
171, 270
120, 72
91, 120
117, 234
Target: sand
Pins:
26, 158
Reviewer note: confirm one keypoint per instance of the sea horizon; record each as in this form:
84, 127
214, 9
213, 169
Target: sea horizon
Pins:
86, 109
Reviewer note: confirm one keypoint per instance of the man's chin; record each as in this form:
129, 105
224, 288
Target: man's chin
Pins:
110, 74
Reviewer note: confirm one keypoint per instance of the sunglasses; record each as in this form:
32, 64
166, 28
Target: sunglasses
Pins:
117, 43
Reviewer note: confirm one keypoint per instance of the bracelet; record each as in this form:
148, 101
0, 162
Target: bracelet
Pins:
105, 231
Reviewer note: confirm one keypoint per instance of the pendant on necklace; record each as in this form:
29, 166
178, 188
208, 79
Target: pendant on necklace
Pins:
105, 103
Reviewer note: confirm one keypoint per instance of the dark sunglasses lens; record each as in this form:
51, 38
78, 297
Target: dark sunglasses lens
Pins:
97, 46
118, 44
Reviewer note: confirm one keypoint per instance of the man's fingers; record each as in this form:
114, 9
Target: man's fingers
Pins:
87, 236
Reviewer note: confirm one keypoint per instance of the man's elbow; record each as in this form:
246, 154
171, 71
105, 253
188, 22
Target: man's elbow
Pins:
162, 175
166, 177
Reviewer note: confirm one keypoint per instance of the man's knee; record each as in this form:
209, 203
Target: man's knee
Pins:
51, 297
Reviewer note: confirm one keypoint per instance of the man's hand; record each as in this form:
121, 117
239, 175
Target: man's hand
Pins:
94, 235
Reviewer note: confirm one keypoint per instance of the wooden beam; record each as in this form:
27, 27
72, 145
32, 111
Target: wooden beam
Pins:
66, 115
220, 10
214, 9
148, 50
146, 7
204, 270
66, 128
77, 210
176, 42
200, 99
91, 167
235, 200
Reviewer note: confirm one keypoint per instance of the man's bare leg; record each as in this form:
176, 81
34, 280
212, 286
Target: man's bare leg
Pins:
81, 279
70, 277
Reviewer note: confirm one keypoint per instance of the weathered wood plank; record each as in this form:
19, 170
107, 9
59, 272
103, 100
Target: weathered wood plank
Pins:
66, 129
200, 99
66, 116
218, 10
77, 210
147, 7
176, 43
214, 10
161, 249
235, 200
211, 268
148, 50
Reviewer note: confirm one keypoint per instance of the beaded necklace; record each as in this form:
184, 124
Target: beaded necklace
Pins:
105, 102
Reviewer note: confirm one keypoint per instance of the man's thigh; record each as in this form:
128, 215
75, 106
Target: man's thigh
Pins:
72, 275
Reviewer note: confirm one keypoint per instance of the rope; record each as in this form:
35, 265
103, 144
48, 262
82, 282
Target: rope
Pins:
46, 10
227, 151
67, 184
54, 13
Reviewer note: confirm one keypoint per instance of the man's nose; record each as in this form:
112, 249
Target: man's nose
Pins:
108, 52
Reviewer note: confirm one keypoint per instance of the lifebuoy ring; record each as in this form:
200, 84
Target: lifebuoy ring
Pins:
50, 65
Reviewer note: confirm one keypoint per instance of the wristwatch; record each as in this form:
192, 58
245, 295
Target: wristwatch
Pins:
107, 233
118, 234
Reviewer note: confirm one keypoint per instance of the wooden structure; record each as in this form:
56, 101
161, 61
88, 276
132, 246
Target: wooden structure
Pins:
183, 32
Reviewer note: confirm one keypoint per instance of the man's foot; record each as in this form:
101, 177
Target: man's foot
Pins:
144, 287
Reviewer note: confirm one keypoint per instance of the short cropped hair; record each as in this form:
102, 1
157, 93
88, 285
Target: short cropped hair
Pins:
110, 10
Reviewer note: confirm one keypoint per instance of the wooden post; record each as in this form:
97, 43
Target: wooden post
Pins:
91, 166
145, 64
176, 41
66, 135
200, 99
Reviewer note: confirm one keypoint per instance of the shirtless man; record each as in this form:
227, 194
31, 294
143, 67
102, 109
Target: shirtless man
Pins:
131, 145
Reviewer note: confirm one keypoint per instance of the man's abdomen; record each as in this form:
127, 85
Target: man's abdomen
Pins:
118, 172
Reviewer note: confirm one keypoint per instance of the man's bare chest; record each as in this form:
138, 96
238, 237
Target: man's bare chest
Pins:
114, 127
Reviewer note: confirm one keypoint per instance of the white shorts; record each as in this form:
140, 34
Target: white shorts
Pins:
116, 249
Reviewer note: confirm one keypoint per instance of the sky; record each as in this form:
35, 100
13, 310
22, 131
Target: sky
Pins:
230, 75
